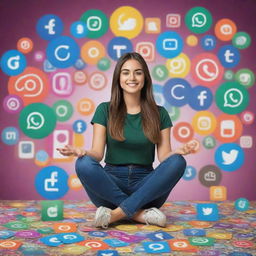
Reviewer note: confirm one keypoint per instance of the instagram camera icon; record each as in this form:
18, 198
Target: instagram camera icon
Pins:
173, 20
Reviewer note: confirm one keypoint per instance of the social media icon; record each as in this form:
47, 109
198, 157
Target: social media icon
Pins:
107, 253
26, 149
156, 247
190, 173
183, 132
146, 50
62, 84
201, 241
194, 232
92, 52
246, 141
104, 64
78, 29
242, 204
97, 81
229, 56
209, 142
74, 183
178, 66
52, 210
79, 64
152, 25
41, 158
210, 175
61, 137
225, 29
10, 135
241, 40
48, 67
204, 122
245, 77
12, 103
160, 72
10, 244
63, 110
79, 126
218, 193
207, 212
247, 117
173, 20
229, 157
86, 106
208, 42
25, 45
181, 245
201, 98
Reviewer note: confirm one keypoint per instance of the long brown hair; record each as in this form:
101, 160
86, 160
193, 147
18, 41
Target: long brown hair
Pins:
149, 111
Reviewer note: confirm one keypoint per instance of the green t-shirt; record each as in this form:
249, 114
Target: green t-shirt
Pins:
137, 148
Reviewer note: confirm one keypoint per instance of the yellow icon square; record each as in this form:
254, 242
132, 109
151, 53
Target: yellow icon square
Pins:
218, 193
152, 25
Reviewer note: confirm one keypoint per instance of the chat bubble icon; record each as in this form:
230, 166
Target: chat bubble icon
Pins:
233, 98
35, 121
199, 20
156, 247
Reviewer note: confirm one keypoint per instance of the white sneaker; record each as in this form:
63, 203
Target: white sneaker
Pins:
102, 217
154, 216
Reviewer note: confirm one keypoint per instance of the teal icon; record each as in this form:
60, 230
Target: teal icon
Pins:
52, 210
242, 204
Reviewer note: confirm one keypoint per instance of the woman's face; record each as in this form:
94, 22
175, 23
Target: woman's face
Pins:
132, 77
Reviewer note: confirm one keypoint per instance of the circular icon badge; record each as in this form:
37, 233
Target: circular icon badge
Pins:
225, 29
229, 157
79, 64
13, 62
192, 40
206, 69
209, 142
78, 29
247, 117
126, 21
242, 204
183, 132
37, 120
12, 104
49, 26
63, 110
241, 40
190, 173
232, 98
25, 45
92, 52
178, 66
245, 77
104, 64
169, 44
208, 42
229, 56
41, 158
80, 77
62, 52
51, 182
118, 46
198, 20
210, 175
31, 86
229, 75
85, 106
96, 22
10, 135
97, 81
160, 73
79, 126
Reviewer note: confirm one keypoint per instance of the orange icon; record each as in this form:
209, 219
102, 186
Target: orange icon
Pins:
94, 245
64, 227
200, 224
92, 52
183, 132
85, 106
225, 29
152, 25
10, 244
25, 45
74, 182
181, 245
218, 193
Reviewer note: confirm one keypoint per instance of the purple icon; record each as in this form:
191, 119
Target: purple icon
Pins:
12, 104
28, 234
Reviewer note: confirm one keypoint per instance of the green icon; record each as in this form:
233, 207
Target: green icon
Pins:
242, 204
232, 98
229, 75
45, 230
160, 73
52, 210
201, 241
96, 22
245, 77
174, 113
209, 142
63, 110
104, 64
241, 40
16, 225
198, 20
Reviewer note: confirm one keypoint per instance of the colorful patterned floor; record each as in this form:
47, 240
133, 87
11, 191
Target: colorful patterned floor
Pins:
23, 233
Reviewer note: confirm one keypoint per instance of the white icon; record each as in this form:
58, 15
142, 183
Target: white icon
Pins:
242, 204
70, 237
93, 52
31, 84
35, 121
184, 132
159, 72
127, 25
200, 240
85, 106
159, 98
118, 49
228, 54
10, 135
229, 158
204, 123
202, 97
54, 240
205, 74
176, 96
180, 244
61, 47
25, 44
177, 65
93, 244
209, 142
13, 62
60, 139
107, 254
13, 104
229, 97
218, 193
52, 211
210, 176
173, 20
146, 50
170, 44
188, 172
61, 110
160, 236
227, 128
97, 81
226, 29
152, 26
50, 26
245, 78
62, 83
209, 42
241, 40
96, 23
246, 141
26, 149
7, 244
50, 183
156, 247
79, 29
64, 227
198, 20
79, 127
207, 211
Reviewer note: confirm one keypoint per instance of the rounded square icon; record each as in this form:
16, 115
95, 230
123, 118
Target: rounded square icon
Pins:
152, 25
246, 141
173, 20
146, 50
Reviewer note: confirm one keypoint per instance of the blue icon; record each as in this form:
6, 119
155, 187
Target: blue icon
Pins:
79, 126
47, 66
97, 233
194, 232
158, 94
49, 26
78, 29
10, 135
190, 173
52, 240
177, 91
159, 236
41, 156
229, 157
62, 52
13, 62
239, 254
51, 182
207, 212
118, 46
107, 252
79, 64
208, 42
229, 56
201, 98
115, 242
69, 238
242, 204
159, 247
4, 234
169, 44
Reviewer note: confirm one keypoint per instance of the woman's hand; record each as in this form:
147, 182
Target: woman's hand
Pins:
188, 148
69, 150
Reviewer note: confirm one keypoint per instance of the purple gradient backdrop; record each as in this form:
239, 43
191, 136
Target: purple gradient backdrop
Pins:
18, 19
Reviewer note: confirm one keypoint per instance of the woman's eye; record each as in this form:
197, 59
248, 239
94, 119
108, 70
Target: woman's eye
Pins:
125, 73
139, 73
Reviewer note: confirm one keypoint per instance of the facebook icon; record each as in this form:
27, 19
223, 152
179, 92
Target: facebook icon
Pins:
79, 126
201, 98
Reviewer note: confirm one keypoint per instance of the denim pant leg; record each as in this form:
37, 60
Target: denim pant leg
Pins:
156, 186
102, 189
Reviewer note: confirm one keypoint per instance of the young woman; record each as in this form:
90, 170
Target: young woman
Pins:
130, 126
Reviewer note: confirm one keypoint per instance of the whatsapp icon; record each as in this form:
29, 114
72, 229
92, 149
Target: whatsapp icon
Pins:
37, 120
198, 20
232, 98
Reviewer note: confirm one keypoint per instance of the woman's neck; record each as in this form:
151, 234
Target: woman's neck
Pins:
132, 103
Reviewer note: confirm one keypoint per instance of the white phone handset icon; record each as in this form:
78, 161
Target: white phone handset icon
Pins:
207, 72
32, 120
231, 96
200, 22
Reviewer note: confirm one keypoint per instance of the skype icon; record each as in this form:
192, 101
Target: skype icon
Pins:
13, 62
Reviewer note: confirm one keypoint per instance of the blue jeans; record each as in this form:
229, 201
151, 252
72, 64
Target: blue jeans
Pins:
129, 187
